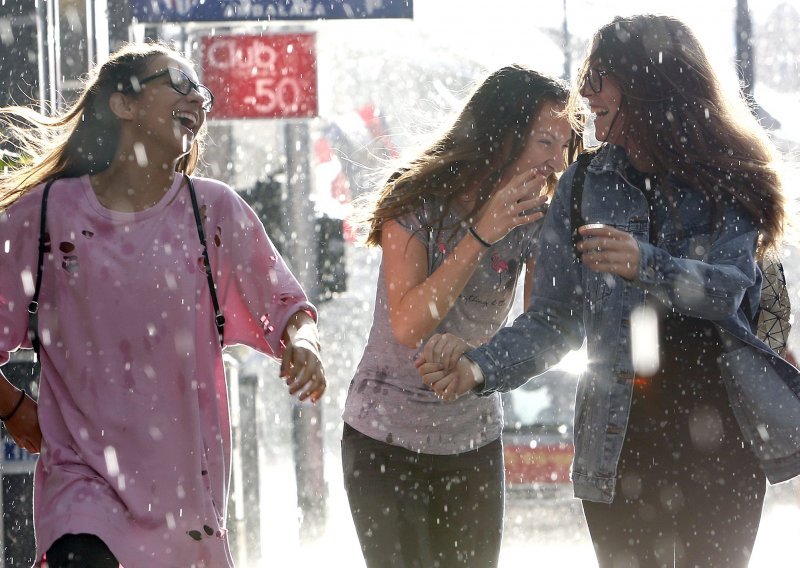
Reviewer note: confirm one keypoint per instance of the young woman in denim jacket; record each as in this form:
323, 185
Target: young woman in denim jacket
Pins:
673, 440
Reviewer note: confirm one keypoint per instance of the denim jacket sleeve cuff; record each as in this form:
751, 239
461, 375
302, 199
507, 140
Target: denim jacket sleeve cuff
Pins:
649, 272
484, 362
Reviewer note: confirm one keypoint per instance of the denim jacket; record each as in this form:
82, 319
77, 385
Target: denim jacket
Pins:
698, 267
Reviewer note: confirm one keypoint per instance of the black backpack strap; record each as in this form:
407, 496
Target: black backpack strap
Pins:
575, 217
219, 319
33, 307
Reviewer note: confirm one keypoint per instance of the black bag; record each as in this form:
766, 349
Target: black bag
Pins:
771, 322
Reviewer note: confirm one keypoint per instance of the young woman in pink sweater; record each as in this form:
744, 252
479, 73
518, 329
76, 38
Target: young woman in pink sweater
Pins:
145, 274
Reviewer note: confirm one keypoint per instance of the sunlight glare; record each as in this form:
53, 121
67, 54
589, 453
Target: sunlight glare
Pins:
574, 362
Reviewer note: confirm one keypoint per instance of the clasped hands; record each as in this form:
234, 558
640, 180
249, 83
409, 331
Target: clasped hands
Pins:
441, 363
443, 368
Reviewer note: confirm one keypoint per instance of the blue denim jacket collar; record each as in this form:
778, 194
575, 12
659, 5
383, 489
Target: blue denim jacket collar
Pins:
609, 158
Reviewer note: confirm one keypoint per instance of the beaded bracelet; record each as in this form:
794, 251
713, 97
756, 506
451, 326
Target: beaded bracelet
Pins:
16, 407
478, 238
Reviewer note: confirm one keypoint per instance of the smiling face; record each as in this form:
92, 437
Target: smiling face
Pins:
549, 136
604, 96
544, 147
165, 115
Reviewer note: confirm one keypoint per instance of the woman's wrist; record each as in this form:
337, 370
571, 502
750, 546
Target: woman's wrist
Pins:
478, 237
474, 370
312, 343
301, 326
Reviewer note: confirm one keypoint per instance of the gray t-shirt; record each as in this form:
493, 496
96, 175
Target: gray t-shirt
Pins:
387, 399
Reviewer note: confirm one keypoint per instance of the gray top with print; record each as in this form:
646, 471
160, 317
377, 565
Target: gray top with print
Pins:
387, 400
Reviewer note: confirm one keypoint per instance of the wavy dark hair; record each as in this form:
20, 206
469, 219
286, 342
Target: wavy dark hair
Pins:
487, 137
83, 139
675, 112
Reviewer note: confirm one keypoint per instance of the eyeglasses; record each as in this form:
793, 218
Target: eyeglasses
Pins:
182, 84
594, 78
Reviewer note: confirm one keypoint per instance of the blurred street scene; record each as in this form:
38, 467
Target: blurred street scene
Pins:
381, 87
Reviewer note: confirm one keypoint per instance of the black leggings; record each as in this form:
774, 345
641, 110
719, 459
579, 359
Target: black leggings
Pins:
680, 508
80, 551
689, 488
415, 510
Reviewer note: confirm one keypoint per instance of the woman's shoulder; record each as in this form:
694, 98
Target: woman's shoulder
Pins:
212, 188
216, 193
424, 216
30, 203
222, 202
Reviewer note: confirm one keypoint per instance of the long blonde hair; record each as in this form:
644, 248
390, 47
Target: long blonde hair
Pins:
83, 139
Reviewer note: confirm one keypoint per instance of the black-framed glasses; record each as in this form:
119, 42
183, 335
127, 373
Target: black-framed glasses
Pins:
594, 78
182, 84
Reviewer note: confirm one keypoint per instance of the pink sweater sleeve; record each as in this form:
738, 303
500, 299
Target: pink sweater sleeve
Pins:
257, 291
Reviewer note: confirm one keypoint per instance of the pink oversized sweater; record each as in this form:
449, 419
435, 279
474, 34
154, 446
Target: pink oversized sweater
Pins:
132, 404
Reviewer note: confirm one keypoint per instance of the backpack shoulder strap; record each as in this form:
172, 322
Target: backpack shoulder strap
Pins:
219, 319
576, 197
33, 306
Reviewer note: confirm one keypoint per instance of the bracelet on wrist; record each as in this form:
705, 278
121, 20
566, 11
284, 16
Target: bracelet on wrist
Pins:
314, 344
478, 238
11, 414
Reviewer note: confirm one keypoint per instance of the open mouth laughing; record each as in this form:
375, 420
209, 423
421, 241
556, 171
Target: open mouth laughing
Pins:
188, 120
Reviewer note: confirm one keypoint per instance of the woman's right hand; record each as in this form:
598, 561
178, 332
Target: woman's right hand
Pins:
24, 426
516, 203
445, 349
449, 379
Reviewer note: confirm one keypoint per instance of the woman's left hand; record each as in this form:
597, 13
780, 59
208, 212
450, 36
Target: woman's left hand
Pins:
301, 366
606, 249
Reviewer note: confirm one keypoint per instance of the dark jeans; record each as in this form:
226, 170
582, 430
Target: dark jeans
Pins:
80, 551
415, 510
689, 489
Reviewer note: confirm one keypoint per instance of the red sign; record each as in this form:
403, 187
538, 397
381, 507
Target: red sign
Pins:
270, 76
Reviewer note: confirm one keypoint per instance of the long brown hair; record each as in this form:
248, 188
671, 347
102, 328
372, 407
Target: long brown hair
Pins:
486, 138
676, 113
83, 139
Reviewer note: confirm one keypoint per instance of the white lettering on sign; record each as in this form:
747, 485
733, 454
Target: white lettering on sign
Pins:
262, 76
271, 94
224, 54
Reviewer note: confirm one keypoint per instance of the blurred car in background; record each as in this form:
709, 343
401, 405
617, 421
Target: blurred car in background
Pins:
537, 436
